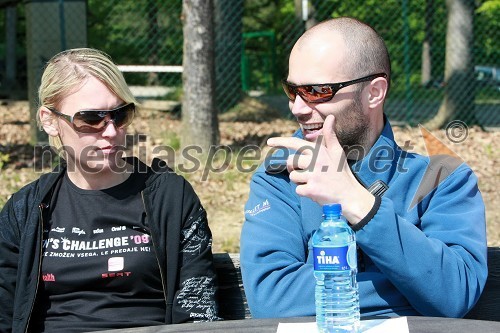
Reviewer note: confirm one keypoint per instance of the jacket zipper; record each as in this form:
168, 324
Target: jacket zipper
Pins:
154, 249
40, 207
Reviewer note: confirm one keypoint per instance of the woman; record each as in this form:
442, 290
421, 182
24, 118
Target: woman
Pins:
102, 242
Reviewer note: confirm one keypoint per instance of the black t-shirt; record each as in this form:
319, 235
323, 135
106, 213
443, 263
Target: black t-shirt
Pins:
99, 269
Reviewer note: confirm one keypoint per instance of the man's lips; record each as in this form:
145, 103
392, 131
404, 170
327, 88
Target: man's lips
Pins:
311, 127
311, 131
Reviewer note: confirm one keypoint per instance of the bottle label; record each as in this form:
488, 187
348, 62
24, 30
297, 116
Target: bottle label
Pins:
331, 258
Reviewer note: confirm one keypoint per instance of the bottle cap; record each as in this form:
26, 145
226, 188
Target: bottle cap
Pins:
332, 209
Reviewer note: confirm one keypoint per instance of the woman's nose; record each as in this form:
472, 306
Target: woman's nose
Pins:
109, 128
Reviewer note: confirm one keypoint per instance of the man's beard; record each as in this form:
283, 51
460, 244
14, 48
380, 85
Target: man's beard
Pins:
353, 127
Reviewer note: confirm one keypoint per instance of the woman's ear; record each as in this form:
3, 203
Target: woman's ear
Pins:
48, 121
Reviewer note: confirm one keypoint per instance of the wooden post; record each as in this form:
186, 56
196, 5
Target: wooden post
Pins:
10, 48
228, 22
51, 27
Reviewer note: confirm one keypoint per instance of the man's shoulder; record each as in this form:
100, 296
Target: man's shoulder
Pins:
451, 164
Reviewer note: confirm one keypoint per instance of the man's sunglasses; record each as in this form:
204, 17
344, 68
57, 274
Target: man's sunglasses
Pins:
320, 93
94, 121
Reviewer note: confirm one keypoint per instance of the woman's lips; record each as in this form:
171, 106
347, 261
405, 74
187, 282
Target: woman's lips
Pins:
108, 149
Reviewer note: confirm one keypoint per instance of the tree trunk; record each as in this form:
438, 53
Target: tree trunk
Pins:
427, 44
153, 39
458, 101
199, 116
228, 22
10, 48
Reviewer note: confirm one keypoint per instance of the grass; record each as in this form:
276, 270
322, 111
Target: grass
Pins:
12, 180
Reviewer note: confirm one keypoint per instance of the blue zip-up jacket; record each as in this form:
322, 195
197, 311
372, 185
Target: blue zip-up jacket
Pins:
423, 246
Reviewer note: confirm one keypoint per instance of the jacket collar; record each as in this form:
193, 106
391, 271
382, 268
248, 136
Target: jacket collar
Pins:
157, 168
49, 180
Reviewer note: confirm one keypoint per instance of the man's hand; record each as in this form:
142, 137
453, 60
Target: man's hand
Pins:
322, 173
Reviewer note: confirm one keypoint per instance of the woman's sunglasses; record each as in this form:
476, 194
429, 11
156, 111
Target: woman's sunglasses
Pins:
94, 121
320, 93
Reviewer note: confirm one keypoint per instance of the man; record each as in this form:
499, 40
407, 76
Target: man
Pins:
421, 235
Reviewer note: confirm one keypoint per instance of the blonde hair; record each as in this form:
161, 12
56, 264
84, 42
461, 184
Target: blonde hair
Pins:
68, 69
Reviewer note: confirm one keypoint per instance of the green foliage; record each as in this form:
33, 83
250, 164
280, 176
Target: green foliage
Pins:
4, 159
277, 16
490, 8
174, 95
487, 27
387, 18
118, 27
489, 150
20, 44
172, 140
150, 32
2, 30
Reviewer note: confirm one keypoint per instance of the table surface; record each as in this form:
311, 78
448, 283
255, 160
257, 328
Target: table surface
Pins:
415, 325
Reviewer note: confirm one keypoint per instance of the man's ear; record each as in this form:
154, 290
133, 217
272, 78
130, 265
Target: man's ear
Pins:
378, 92
48, 121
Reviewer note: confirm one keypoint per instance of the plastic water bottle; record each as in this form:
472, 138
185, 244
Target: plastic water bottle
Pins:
335, 268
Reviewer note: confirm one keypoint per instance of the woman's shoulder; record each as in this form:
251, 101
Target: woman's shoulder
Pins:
39, 185
161, 177
30, 195
170, 189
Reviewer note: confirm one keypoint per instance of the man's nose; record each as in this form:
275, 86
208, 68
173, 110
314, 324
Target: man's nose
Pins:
299, 107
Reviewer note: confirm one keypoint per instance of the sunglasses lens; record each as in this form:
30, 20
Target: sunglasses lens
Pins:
289, 91
309, 93
89, 121
124, 115
95, 121
316, 93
